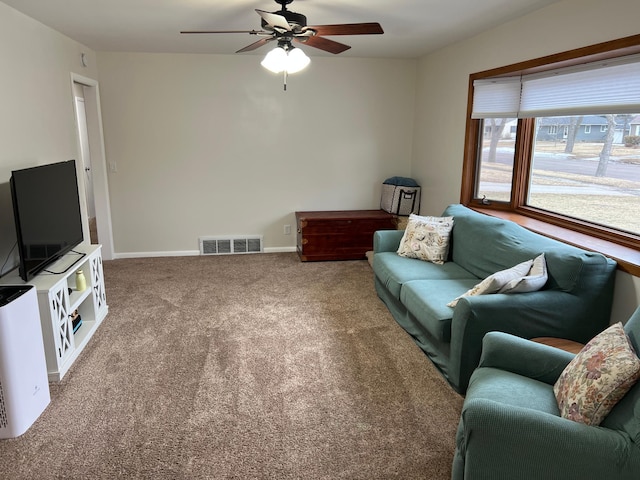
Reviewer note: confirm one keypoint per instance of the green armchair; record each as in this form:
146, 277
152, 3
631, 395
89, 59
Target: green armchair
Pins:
510, 426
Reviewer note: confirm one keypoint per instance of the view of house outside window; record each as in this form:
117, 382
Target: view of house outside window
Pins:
586, 167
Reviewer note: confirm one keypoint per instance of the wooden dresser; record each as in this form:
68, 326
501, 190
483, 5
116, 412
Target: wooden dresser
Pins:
339, 235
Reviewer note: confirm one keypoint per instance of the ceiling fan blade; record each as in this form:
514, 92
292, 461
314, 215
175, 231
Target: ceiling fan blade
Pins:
323, 44
347, 29
255, 45
274, 20
252, 32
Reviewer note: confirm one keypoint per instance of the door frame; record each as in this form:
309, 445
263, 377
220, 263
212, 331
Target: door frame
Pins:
98, 161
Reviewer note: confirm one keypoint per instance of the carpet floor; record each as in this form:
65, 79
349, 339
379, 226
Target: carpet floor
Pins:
243, 367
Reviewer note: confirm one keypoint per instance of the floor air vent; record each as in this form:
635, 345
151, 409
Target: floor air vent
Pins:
230, 245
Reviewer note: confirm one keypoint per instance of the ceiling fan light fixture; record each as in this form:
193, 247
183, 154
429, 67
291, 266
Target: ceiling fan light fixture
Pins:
297, 60
279, 60
275, 61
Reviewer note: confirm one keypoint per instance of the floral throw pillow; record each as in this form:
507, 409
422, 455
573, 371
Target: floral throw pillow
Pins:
426, 238
598, 377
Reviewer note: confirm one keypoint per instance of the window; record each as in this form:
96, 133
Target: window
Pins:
591, 178
495, 169
556, 140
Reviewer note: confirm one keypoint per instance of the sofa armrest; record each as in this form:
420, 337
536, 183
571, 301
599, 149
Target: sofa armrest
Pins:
503, 441
523, 357
387, 240
546, 313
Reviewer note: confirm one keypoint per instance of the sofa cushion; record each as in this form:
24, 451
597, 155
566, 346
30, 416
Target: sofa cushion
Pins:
426, 238
598, 377
427, 301
393, 271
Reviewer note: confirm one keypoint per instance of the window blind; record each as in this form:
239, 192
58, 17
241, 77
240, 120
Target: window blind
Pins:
496, 98
606, 87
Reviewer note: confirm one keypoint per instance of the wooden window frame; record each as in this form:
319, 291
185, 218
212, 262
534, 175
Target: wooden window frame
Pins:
621, 246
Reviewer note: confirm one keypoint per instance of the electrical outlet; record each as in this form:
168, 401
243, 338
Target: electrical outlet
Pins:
287, 229
113, 166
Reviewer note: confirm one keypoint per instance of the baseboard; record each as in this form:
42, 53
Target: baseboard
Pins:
183, 253
191, 253
280, 250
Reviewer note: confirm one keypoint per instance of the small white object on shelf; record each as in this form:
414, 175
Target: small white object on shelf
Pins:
81, 281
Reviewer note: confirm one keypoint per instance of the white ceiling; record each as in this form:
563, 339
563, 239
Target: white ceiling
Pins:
412, 27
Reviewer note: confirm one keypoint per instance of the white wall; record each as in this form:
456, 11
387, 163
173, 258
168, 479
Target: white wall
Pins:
442, 89
212, 145
37, 123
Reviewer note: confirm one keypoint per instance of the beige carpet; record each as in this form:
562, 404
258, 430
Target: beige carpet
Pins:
244, 367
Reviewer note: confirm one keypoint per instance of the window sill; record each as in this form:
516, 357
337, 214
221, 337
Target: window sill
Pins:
628, 258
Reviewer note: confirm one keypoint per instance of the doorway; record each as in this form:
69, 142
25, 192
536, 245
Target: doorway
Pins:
92, 163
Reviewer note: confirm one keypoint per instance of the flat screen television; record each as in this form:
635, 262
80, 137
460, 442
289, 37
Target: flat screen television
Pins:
46, 208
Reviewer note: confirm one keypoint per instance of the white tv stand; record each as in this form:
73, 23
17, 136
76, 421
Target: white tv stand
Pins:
58, 299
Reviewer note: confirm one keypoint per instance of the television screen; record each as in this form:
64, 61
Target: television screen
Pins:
46, 208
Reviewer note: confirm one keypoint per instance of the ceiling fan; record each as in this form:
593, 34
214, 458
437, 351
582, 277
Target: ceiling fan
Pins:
286, 26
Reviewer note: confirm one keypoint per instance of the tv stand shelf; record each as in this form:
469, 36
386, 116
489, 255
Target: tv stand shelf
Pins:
58, 299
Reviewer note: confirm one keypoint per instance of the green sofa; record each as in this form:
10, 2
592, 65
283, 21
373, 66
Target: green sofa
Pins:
574, 304
511, 428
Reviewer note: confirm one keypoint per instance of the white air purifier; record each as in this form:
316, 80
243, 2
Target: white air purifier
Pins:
24, 386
